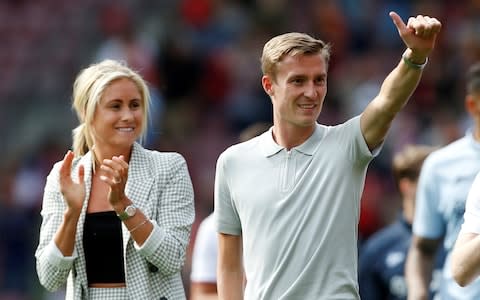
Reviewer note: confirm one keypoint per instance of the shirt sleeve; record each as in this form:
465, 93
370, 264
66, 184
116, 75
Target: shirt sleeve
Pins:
471, 222
428, 220
226, 216
56, 256
204, 258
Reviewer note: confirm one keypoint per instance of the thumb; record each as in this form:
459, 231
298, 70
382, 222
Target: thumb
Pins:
397, 20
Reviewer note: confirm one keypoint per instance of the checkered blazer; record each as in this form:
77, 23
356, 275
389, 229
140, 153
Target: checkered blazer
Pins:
159, 184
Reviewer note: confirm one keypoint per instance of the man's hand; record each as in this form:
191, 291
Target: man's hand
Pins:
419, 35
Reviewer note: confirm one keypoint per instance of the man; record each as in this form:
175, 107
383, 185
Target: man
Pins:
287, 201
444, 182
382, 258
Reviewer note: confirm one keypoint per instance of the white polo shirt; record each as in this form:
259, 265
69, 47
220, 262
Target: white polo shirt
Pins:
297, 211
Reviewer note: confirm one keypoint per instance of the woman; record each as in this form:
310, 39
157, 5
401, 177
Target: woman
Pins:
116, 217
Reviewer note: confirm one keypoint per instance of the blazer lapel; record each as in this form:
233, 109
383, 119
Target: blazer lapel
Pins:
139, 183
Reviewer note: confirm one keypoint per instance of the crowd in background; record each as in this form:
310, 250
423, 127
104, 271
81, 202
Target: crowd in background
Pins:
201, 58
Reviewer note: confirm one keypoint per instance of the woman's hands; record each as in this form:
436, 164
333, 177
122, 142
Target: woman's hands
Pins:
73, 192
115, 174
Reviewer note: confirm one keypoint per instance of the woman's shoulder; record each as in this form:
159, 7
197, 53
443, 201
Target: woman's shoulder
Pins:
160, 158
160, 155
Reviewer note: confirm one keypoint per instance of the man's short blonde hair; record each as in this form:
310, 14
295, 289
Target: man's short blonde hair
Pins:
293, 43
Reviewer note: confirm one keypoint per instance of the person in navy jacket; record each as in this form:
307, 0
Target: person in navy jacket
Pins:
382, 258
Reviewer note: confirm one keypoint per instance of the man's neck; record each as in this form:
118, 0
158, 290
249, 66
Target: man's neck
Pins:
291, 136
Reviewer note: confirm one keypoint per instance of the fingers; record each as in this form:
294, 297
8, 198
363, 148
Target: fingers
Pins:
66, 166
115, 170
81, 174
72, 191
424, 26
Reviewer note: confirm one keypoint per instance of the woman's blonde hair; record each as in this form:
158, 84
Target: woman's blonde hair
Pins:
293, 43
88, 89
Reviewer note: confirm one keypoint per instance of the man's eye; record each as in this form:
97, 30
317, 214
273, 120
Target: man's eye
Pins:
297, 81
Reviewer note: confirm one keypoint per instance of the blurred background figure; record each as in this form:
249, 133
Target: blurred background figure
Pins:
382, 258
124, 42
203, 277
445, 179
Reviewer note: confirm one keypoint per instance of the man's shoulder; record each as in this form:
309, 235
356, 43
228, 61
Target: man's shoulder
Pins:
237, 151
451, 153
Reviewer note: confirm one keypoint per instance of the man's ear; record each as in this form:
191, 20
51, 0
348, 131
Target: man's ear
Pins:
471, 104
267, 85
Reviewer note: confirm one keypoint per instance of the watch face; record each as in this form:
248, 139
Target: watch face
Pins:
130, 210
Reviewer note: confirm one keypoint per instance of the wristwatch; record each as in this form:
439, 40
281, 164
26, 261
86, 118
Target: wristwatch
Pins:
128, 212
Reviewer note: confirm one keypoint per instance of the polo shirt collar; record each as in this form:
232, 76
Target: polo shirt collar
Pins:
270, 147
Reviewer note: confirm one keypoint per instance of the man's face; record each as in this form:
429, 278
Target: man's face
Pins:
298, 90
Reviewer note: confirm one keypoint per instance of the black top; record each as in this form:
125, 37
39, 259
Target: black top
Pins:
103, 246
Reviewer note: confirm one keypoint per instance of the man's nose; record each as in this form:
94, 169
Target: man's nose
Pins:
311, 91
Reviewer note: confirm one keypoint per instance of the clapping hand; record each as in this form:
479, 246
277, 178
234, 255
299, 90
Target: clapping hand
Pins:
115, 174
73, 192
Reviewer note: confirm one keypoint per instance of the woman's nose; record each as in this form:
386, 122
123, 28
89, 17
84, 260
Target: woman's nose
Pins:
127, 114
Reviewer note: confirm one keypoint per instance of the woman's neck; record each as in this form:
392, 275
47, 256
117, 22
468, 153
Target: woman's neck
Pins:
102, 153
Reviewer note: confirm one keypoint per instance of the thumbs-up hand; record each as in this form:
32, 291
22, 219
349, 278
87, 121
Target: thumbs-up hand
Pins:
419, 34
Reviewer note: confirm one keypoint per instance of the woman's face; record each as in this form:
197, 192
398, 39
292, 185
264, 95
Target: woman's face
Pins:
119, 116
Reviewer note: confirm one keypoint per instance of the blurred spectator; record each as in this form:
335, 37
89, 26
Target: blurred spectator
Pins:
203, 276
123, 42
382, 258
443, 186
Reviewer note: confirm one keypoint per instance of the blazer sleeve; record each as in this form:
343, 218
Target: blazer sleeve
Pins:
166, 246
52, 269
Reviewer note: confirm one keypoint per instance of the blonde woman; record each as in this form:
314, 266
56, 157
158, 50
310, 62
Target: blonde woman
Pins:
116, 217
